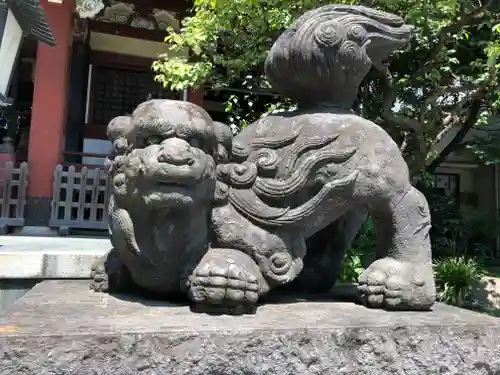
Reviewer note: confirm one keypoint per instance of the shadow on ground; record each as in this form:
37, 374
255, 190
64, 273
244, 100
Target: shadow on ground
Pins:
486, 297
340, 293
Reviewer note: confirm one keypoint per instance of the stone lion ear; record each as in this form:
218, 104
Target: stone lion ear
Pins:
223, 136
221, 154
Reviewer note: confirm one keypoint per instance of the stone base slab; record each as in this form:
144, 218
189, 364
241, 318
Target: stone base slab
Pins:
12, 290
60, 327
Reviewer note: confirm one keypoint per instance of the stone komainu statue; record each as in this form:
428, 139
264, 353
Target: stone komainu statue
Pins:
223, 221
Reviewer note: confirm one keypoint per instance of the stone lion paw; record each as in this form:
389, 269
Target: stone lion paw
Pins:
225, 279
109, 275
98, 276
397, 285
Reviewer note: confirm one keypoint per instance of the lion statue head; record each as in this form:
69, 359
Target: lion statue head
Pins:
164, 154
162, 179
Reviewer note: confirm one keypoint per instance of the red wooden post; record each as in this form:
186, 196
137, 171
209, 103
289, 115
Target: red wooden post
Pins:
196, 96
48, 120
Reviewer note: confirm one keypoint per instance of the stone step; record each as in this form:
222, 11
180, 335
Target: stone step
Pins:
49, 257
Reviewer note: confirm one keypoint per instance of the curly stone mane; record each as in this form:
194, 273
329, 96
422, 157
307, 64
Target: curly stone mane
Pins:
333, 46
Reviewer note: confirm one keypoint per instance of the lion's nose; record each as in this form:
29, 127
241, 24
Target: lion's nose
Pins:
176, 151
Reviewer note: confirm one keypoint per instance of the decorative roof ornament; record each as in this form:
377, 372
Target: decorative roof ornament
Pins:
120, 12
165, 18
89, 8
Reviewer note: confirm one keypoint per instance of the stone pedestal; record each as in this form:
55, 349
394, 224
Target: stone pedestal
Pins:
60, 327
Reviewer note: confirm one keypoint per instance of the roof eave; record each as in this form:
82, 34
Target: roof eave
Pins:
32, 19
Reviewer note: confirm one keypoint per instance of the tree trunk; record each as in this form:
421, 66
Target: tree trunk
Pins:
414, 153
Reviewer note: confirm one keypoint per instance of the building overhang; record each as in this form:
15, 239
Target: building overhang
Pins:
32, 19
19, 19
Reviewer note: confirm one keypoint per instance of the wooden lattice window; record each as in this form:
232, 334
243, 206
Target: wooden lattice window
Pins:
117, 92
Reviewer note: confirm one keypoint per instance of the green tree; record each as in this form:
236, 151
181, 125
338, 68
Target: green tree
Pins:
427, 95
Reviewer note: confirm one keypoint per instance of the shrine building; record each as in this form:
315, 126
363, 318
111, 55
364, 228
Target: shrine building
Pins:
63, 98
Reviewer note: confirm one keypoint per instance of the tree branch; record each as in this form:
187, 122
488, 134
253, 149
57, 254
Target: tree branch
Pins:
453, 117
469, 123
389, 97
412, 149
450, 122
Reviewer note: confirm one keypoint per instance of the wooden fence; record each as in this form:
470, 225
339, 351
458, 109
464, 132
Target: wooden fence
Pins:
79, 199
13, 186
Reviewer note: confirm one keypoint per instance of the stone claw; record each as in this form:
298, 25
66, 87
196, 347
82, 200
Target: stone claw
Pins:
226, 278
108, 274
397, 285
99, 277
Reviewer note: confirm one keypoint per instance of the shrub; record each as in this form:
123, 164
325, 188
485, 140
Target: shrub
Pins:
456, 278
352, 266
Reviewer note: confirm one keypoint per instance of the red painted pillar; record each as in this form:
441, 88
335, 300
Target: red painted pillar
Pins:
196, 96
48, 118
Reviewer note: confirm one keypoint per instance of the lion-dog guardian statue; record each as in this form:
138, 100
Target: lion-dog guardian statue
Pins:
194, 212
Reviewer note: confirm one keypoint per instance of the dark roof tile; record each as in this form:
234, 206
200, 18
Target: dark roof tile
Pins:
32, 18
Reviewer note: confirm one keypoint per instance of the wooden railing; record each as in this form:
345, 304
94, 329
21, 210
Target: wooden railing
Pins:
80, 197
13, 186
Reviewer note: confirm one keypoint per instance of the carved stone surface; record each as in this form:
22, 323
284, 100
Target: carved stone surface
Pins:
225, 220
60, 327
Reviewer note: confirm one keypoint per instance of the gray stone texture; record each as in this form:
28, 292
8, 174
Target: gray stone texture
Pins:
61, 328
